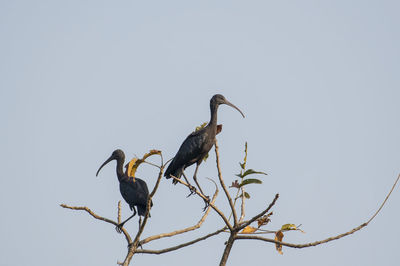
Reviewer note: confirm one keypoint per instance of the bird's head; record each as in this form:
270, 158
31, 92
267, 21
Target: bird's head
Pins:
218, 99
116, 155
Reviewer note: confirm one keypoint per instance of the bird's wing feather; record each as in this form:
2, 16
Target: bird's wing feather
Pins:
189, 151
134, 193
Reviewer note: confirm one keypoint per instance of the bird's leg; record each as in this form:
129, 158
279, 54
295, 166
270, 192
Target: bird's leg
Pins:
195, 178
191, 188
140, 223
207, 202
119, 226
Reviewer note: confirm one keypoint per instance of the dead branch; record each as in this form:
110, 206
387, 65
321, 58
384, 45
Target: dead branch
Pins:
383, 203
98, 217
148, 251
205, 198
191, 228
235, 220
316, 243
246, 223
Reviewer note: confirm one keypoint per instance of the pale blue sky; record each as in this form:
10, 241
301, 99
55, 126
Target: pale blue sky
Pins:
318, 82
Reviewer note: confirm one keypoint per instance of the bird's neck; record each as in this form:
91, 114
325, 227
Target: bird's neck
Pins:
120, 171
213, 119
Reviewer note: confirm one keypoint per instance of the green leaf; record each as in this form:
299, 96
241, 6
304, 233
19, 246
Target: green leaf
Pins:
247, 195
239, 175
251, 171
250, 181
242, 165
287, 227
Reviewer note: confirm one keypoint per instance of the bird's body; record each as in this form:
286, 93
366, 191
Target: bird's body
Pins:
197, 145
193, 150
134, 191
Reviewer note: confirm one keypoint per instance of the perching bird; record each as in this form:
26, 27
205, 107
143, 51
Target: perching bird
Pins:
197, 145
134, 192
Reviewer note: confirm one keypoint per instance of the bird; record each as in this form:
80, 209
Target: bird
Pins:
197, 145
134, 191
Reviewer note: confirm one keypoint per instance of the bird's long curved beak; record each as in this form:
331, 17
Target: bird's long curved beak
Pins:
106, 162
234, 106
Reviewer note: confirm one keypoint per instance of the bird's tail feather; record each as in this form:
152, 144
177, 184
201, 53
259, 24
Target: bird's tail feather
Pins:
178, 173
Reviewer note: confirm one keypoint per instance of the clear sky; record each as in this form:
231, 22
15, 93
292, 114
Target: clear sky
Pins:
318, 82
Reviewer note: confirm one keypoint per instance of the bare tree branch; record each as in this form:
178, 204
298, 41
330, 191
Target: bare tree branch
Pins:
205, 198
246, 223
119, 212
90, 212
98, 217
228, 247
146, 217
177, 232
148, 251
316, 243
242, 209
383, 203
235, 220
234, 202
152, 164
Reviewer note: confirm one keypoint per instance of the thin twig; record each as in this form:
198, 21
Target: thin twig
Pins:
152, 164
235, 220
316, 243
165, 164
146, 217
148, 251
119, 212
242, 209
162, 160
261, 232
90, 212
234, 202
205, 198
98, 217
246, 223
383, 203
177, 232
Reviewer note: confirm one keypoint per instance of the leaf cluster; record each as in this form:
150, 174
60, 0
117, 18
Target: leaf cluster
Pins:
243, 181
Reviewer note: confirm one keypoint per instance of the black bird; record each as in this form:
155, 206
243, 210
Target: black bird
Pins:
134, 192
197, 144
